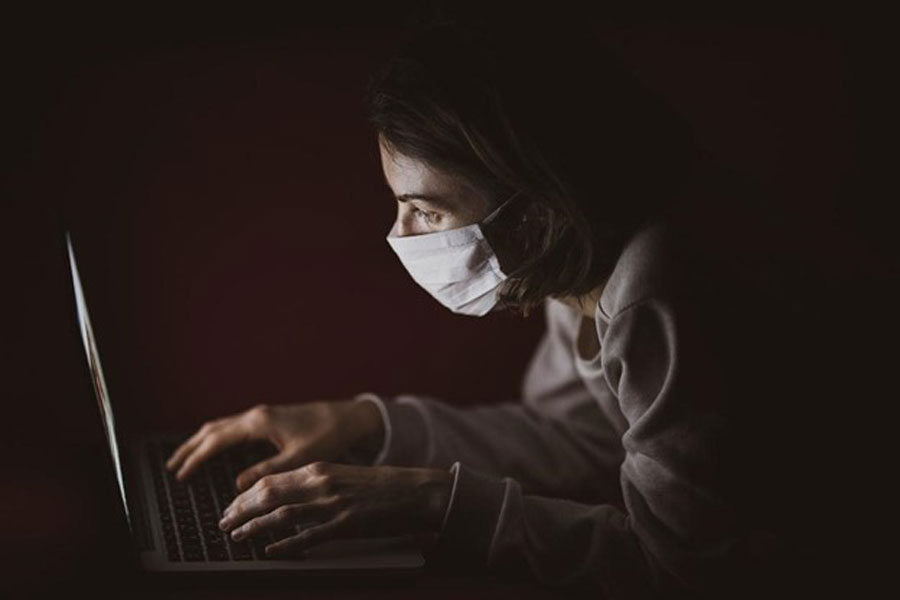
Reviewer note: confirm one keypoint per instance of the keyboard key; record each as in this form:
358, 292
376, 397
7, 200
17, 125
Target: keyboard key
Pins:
193, 554
170, 540
280, 534
169, 533
172, 551
259, 543
190, 511
240, 550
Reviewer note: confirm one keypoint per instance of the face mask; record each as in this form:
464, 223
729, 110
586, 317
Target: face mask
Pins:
457, 267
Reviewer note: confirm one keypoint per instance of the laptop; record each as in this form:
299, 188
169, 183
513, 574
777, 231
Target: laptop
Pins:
174, 525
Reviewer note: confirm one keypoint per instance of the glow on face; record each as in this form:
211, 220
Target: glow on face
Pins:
428, 199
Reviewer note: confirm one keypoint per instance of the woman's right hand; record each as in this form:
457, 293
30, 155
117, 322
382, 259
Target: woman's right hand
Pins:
303, 433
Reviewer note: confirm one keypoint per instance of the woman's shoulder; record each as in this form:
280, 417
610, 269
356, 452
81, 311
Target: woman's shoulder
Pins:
648, 266
663, 259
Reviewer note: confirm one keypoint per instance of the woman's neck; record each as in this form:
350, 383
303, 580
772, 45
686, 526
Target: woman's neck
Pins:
588, 302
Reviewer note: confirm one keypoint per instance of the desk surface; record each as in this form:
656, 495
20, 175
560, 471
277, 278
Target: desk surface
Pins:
60, 527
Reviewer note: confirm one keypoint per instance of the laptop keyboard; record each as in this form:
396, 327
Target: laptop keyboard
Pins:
190, 511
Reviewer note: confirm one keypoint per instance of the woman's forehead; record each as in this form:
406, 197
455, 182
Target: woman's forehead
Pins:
410, 177
414, 179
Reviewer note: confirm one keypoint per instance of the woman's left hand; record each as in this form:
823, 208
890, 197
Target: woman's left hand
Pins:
340, 501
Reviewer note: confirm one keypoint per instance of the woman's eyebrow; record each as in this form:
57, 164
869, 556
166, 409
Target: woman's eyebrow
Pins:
436, 199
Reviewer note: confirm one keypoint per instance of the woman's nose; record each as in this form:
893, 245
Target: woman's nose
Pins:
402, 226
397, 229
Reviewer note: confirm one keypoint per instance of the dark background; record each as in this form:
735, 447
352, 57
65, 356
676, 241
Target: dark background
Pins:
228, 209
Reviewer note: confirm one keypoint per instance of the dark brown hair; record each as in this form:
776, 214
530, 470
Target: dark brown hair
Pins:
546, 111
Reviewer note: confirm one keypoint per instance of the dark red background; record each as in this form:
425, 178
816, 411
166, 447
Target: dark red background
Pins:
228, 209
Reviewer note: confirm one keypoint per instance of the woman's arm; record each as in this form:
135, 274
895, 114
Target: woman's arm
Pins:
556, 442
676, 531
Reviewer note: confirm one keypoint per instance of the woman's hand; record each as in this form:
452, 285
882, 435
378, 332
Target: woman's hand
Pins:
303, 433
339, 501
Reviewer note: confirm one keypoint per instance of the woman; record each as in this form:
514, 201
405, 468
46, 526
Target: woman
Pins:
533, 171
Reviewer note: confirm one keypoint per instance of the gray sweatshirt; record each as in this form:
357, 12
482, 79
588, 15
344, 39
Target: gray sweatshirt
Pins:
617, 470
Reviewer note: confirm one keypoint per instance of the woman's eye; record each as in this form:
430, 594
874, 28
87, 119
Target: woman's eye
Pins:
430, 216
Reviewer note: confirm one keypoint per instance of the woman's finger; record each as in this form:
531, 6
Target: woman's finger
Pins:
275, 464
265, 495
188, 445
249, 420
224, 436
308, 537
285, 517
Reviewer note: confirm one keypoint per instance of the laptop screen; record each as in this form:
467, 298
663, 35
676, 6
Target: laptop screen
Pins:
93, 358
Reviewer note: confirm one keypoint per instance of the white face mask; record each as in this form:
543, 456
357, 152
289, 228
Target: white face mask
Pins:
457, 266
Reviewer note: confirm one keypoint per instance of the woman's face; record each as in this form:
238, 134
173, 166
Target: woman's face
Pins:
429, 200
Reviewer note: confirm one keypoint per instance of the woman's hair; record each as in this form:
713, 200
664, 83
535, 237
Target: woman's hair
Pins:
551, 113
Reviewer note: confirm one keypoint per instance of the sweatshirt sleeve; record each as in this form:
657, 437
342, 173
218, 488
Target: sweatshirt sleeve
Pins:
674, 531
556, 441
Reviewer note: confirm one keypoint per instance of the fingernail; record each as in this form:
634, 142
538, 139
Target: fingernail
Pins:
223, 524
237, 533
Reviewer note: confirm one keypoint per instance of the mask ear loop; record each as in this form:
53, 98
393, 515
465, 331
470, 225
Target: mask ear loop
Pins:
500, 209
494, 259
